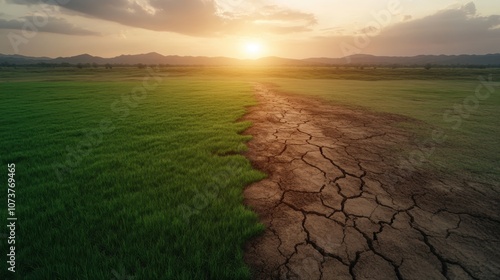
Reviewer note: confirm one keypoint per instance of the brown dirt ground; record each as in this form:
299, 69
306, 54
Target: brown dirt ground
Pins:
336, 206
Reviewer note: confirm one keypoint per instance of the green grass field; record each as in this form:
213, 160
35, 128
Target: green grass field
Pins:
114, 178
159, 197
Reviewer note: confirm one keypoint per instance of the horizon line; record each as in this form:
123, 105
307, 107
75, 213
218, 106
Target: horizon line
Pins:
250, 59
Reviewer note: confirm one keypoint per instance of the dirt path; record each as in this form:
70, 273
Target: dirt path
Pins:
332, 209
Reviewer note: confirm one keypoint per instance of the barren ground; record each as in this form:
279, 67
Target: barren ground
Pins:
334, 210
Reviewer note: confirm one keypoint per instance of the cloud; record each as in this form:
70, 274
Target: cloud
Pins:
450, 31
52, 25
282, 14
274, 19
271, 19
452, 28
188, 16
191, 17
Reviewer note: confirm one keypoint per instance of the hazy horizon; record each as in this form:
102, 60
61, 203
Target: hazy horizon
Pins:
243, 58
249, 29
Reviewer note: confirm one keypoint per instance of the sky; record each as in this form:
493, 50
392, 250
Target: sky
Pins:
249, 29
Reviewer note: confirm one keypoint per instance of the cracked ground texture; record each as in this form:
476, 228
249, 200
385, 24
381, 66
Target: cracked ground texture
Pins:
332, 210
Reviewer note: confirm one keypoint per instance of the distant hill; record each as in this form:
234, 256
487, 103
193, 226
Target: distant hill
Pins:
83, 58
20, 59
360, 59
363, 59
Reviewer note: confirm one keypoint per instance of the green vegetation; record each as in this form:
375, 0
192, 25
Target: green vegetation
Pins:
472, 130
158, 197
249, 72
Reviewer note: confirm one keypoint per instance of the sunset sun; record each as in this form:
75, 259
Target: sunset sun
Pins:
253, 49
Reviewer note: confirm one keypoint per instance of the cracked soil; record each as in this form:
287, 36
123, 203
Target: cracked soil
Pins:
333, 210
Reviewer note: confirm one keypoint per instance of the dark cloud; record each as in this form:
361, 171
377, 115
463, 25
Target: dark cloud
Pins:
49, 24
452, 31
453, 28
191, 17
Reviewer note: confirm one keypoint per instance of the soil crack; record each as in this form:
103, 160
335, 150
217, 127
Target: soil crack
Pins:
331, 210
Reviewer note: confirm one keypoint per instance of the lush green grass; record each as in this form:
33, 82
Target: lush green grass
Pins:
252, 73
472, 145
159, 197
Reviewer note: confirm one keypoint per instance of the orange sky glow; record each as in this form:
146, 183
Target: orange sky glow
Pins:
249, 29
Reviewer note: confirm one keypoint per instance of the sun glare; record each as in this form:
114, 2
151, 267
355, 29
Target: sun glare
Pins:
253, 49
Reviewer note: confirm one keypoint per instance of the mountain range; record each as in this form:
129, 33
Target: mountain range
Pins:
358, 59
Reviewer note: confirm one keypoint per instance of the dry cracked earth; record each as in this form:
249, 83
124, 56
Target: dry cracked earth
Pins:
333, 210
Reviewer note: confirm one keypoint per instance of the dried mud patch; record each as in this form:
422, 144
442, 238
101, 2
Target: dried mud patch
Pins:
336, 207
